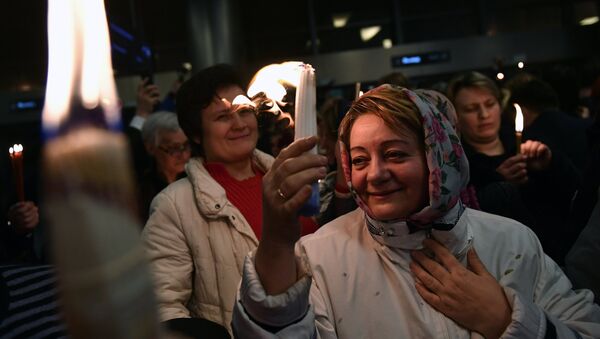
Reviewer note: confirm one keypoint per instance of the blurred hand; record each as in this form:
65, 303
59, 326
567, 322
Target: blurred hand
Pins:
24, 217
470, 296
514, 169
147, 97
286, 187
538, 155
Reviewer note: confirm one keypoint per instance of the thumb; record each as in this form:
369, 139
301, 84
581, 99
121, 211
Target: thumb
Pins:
474, 263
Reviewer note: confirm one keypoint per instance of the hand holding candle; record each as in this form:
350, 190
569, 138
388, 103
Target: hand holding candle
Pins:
16, 158
518, 127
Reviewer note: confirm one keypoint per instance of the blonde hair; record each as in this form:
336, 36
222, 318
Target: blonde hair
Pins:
390, 104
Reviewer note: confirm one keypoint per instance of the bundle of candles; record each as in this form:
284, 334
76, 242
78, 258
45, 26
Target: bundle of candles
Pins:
104, 281
270, 80
16, 159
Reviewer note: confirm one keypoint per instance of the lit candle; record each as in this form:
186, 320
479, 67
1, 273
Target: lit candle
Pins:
16, 159
270, 80
89, 200
518, 127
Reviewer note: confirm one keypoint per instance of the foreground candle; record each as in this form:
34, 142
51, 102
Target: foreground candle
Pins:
105, 284
306, 124
16, 159
518, 127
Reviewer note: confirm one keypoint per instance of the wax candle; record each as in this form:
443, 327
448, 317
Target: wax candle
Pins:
16, 159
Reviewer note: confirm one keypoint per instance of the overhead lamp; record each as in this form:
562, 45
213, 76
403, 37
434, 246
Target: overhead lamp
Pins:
589, 21
387, 43
340, 19
368, 33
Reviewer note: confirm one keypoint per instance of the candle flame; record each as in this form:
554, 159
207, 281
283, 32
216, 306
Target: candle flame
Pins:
518, 119
17, 148
242, 100
271, 79
79, 63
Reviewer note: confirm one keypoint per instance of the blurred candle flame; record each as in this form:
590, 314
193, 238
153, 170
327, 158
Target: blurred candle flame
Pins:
518, 119
79, 63
270, 79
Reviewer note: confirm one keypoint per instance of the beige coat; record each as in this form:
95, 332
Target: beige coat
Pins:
196, 241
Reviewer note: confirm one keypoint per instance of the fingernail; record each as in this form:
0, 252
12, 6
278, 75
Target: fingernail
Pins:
323, 171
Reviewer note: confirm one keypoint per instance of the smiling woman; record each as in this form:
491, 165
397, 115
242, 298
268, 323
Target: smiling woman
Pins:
412, 261
201, 227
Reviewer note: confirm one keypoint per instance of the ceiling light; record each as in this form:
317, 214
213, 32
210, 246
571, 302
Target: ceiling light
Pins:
521, 64
588, 21
500, 76
387, 43
368, 33
340, 19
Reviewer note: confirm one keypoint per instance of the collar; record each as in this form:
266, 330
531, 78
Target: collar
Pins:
398, 234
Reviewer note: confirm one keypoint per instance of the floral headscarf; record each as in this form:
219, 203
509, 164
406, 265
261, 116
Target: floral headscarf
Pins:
446, 160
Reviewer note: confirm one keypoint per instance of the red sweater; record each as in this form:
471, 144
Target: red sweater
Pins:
246, 195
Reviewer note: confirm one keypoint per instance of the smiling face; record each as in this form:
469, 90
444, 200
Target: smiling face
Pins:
478, 115
389, 170
228, 135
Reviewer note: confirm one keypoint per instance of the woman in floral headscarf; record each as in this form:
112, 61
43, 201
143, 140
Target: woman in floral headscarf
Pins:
412, 261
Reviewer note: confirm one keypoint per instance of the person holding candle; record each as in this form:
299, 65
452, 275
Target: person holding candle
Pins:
521, 186
201, 227
412, 261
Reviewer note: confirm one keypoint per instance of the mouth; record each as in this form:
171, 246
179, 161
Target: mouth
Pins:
237, 137
382, 194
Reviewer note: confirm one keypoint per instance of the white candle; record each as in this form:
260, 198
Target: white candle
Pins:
306, 105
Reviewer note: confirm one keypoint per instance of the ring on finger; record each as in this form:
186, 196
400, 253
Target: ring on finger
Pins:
281, 193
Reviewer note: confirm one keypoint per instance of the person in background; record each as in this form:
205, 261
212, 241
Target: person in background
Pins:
169, 149
412, 262
147, 98
520, 185
201, 227
335, 198
394, 78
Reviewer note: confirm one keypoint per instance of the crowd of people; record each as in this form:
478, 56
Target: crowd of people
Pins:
433, 221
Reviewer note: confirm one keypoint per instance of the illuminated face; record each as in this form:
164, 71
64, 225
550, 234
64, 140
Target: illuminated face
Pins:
478, 115
389, 170
228, 135
171, 153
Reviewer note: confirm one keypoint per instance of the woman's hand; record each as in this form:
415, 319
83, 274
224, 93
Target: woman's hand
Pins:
24, 217
537, 154
286, 187
514, 169
469, 296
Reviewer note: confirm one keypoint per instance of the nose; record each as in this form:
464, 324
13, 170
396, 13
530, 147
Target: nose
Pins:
378, 172
483, 112
238, 122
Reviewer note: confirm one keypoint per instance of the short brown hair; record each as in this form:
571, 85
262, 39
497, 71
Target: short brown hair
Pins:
390, 104
472, 79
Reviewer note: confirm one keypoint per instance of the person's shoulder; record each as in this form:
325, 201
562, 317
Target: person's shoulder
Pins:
498, 228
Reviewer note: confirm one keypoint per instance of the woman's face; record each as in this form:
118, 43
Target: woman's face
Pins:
389, 171
478, 115
228, 135
171, 153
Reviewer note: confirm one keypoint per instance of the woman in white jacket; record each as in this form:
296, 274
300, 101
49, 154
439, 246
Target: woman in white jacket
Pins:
201, 227
412, 261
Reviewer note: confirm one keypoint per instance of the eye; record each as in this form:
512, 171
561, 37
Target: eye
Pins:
359, 162
222, 117
490, 104
395, 155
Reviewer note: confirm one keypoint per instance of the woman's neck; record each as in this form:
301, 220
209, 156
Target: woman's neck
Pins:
491, 148
240, 170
